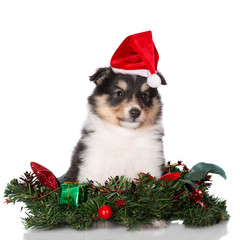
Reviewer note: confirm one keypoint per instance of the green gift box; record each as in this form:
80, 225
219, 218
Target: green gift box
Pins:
72, 193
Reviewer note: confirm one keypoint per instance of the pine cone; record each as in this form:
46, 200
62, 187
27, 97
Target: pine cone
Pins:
29, 180
206, 181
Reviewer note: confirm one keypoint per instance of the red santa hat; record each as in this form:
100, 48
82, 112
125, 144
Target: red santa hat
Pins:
138, 55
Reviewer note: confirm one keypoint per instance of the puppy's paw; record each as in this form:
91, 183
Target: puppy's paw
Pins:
155, 224
159, 224
103, 225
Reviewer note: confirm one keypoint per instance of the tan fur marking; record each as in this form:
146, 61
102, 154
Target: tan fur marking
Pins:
104, 110
108, 113
99, 81
144, 87
151, 114
122, 84
119, 111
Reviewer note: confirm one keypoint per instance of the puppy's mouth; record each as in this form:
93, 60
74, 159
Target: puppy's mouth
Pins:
132, 123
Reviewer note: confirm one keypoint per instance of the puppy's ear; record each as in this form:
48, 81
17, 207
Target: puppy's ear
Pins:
100, 75
163, 81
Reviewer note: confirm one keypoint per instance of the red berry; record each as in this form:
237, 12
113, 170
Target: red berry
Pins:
105, 212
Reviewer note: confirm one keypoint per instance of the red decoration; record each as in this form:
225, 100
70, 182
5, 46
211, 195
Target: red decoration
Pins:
170, 176
105, 212
150, 177
119, 202
7, 201
137, 54
137, 51
45, 176
197, 196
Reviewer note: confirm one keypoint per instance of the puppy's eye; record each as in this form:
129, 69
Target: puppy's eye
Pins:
145, 96
119, 93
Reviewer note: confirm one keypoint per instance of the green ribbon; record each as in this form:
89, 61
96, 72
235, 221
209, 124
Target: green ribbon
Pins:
72, 193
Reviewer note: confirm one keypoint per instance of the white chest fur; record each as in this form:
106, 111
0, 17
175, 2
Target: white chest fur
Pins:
113, 150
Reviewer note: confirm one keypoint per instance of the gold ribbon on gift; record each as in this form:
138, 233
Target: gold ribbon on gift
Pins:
73, 183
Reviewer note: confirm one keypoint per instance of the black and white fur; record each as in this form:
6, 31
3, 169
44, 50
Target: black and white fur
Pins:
123, 131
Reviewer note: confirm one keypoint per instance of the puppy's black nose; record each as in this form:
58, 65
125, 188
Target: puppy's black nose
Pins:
135, 113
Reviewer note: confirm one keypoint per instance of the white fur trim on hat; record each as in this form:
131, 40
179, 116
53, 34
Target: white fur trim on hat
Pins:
153, 80
140, 72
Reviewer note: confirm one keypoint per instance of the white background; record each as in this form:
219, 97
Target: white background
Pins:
49, 48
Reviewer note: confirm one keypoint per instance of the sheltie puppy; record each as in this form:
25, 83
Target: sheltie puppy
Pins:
123, 133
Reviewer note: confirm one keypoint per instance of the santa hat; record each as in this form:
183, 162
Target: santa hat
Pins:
138, 55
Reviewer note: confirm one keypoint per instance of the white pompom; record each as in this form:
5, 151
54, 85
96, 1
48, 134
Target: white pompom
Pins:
154, 81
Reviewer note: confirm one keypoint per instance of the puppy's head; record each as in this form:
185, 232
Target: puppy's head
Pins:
125, 100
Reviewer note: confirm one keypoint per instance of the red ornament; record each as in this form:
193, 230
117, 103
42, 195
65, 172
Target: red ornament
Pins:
170, 176
105, 212
45, 176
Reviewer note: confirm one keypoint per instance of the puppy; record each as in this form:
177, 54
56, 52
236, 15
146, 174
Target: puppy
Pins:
123, 131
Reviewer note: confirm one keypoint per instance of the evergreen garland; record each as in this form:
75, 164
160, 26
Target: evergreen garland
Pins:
134, 203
